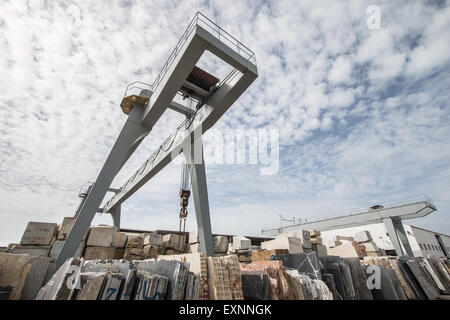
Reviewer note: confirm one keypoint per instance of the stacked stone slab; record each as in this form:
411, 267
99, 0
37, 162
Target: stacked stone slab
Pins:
224, 278
197, 264
278, 285
304, 263
265, 255
317, 244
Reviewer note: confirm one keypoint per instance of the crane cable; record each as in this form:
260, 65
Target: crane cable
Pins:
185, 186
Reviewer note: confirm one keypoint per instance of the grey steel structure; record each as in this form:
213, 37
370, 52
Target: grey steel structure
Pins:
146, 109
391, 216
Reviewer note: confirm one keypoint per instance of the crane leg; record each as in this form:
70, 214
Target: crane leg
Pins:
200, 194
131, 133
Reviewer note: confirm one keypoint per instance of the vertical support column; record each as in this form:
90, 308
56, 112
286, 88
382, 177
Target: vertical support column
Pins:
398, 236
131, 133
196, 162
116, 216
401, 234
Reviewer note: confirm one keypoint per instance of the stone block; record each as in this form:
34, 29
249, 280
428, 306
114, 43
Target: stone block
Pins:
101, 236
362, 236
346, 250
56, 248
38, 233
303, 235
119, 253
220, 244
92, 253
193, 237
174, 241
66, 227
265, 255
240, 242
320, 249
35, 277
14, 269
314, 233
293, 244
135, 241
92, 287
151, 251
153, 239
120, 240
370, 246
32, 251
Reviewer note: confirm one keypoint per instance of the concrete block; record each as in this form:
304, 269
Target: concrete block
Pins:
32, 251
153, 239
35, 277
38, 233
14, 269
92, 253
293, 244
362, 236
240, 242
65, 228
101, 236
119, 240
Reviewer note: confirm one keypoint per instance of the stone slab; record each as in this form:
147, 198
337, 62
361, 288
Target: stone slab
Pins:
92, 287
303, 235
38, 233
320, 249
362, 292
424, 282
174, 241
265, 255
304, 263
346, 250
220, 244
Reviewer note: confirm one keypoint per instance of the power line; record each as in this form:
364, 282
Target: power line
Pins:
28, 184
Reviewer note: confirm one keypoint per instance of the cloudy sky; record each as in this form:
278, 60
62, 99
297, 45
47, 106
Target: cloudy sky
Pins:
363, 113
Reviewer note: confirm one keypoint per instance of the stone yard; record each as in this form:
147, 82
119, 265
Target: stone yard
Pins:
140, 265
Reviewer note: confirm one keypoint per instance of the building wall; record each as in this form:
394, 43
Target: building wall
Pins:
423, 242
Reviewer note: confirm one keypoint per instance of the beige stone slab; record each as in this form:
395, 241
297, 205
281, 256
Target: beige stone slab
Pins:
101, 236
92, 253
135, 241
264, 255
151, 251
174, 241
346, 250
153, 239
293, 244
65, 228
38, 233
14, 269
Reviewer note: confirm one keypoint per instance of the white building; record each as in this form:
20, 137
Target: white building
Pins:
423, 242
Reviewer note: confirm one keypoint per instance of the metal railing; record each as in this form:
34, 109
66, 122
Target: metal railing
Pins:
356, 211
136, 85
201, 20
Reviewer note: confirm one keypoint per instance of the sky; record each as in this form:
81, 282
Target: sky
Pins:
362, 112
